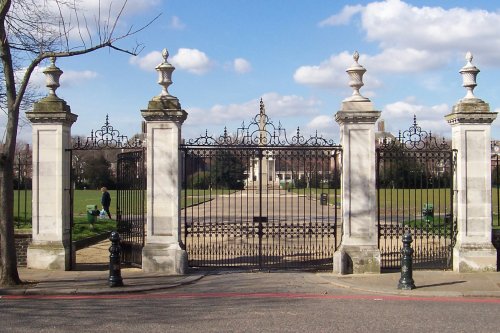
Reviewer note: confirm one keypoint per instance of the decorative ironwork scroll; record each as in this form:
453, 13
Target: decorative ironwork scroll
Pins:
414, 138
107, 137
261, 131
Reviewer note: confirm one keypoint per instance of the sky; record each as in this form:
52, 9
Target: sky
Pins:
293, 54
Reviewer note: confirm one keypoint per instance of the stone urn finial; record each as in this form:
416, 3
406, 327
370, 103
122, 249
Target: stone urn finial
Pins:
469, 73
52, 75
165, 70
356, 72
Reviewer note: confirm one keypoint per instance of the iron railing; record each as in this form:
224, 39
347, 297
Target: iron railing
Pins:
415, 179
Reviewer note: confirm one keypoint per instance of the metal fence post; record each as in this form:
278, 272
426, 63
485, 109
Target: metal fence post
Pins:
406, 281
115, 276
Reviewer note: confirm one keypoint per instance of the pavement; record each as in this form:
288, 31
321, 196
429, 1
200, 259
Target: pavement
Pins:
91, 277
95, 282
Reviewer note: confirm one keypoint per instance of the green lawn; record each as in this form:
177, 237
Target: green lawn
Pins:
495, 207
22, 207
413, 200
83, 229
435, 226
82, 198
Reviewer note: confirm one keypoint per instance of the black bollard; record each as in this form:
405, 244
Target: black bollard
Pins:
406, 281
115, 275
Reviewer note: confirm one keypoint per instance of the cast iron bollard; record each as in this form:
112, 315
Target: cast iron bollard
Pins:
406, 281
115, 275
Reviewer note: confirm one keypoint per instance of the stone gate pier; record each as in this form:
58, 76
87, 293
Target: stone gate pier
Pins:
470, 122
164, 116
359, 251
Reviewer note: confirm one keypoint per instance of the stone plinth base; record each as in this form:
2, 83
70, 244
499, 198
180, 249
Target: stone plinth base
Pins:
164, 258
356, 260
51, 255
469, 258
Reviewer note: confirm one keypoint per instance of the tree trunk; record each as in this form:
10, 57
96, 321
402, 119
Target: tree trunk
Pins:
8, 273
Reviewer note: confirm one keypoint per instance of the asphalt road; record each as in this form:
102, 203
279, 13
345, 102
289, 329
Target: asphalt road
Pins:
243, 302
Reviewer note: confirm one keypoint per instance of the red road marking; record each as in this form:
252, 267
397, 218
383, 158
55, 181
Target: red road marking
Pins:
255, 295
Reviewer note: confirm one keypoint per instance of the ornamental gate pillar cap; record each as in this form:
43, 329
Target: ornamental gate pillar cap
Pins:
469, 73
52, 75
164, 107
51, 109
356, 72
165, 70
357, 103
470, 109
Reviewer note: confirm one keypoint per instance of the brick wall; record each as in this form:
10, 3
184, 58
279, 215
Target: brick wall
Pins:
23, 240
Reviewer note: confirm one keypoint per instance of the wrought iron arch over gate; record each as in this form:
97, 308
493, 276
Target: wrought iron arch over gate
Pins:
415, 184
130, 185
258, 199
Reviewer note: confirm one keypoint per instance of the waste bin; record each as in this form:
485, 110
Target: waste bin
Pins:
324, 199
92, 213
428, 212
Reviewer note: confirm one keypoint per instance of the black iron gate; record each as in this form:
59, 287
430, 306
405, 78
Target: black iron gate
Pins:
111, 144
415, 176
130, 204
256, 199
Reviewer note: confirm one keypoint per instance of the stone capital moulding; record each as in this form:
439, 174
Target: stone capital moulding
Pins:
368, 117
51, 117
175, 115
471, 118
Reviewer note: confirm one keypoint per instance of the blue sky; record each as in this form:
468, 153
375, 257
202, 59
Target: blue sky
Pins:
230, 53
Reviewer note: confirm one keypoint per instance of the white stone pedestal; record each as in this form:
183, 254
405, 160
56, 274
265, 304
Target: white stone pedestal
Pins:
471, 122
359, 251
50, 248
162, 251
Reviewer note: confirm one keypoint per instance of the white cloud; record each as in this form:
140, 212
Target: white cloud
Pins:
321, 122
132, 7
343, 18
411, 39
192, 60
277, 106
176, 23
332, 73
407, 60
430, 28
68, 78
71, 78
82, 17
241, 66
148, 62
399, 116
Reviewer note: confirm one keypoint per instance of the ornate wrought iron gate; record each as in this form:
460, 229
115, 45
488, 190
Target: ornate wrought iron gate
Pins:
415, 176
130, 205
130, 177
256, 199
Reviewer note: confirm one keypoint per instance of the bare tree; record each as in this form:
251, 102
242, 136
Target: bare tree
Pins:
30, 32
